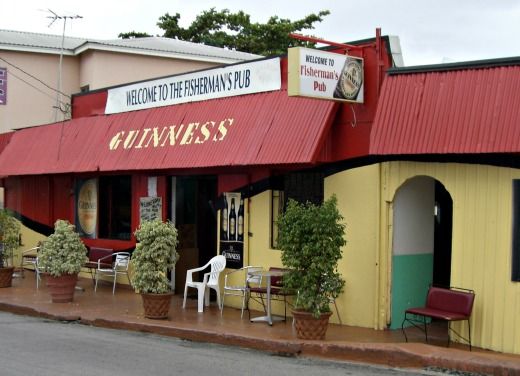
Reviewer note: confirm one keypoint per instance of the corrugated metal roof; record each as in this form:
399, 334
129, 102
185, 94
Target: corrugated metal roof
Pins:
21, 40
258, 129
4, 140
455, 111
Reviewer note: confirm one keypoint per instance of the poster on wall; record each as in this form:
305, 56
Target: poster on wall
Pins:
150, 208
86, 208
232, 230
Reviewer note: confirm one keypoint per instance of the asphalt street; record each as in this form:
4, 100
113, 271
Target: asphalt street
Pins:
33, 346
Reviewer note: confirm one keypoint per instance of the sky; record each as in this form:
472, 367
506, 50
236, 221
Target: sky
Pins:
430, 31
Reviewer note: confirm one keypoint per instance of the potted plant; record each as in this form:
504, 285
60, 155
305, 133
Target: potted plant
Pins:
310, 239
61, 257
155, 252
9, 241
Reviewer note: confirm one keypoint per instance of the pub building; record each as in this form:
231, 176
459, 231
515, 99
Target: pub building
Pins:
423, 162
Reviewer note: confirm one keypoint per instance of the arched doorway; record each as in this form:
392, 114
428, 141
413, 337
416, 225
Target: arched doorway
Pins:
421, 246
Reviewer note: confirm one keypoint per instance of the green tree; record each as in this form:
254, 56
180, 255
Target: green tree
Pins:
236, 31
133, 35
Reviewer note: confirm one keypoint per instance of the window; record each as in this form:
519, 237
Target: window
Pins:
515, 272
277, 205
115, 207
300, 186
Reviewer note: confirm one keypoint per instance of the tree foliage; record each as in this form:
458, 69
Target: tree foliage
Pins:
235, 31
133, 35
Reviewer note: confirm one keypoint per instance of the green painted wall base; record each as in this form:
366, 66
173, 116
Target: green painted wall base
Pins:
411, 277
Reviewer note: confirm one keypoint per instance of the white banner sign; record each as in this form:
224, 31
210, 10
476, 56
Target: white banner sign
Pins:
326, 75
232, 80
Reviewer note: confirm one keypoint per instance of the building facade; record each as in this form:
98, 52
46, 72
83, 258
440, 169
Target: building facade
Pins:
425, 172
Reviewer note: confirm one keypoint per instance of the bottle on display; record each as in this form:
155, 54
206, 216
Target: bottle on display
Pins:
232, 221
224, 221
240, 231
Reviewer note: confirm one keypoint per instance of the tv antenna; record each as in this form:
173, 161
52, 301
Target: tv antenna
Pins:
54, 17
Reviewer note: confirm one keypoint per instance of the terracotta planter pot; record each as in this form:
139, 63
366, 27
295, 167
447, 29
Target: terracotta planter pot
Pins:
157, 306
6, 276
309, 327
62, 288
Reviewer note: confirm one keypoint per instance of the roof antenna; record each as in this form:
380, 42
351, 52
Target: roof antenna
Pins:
53, 18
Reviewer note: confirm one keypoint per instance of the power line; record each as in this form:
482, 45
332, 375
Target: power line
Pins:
64, 107
33, 86
33, 77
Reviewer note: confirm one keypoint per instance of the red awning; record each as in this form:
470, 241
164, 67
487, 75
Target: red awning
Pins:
258, 129
450, 112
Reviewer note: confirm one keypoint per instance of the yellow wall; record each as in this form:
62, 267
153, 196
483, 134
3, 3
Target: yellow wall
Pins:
481, 242
30, 239
358, 201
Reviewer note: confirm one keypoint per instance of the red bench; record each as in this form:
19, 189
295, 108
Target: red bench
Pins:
449, 304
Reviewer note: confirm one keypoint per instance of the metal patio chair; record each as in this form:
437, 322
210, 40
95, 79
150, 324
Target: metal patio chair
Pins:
118, 267
241, 289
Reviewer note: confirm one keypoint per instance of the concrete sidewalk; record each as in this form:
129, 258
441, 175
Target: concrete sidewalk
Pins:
124, 311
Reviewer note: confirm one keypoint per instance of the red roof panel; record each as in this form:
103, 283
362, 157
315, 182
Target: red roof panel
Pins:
458, 111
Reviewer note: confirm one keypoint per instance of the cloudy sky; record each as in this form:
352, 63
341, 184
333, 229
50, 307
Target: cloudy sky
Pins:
430, 31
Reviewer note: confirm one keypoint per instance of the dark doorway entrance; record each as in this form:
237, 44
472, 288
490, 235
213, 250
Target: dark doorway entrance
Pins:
195, 218
443, 222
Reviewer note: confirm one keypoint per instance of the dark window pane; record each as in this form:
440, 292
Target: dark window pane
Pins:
115, 198
300, 186
515, 273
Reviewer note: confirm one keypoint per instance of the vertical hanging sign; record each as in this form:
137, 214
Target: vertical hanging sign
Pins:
86, 207
3, 86
232, 227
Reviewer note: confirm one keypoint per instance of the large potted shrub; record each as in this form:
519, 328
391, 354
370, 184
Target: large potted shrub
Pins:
9, 241
310, 239
61, 257
155, 253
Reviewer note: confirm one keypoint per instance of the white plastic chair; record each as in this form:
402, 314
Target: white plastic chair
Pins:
210, 280
119, 266
242, 289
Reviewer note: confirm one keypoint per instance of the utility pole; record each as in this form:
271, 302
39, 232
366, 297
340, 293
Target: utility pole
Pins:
55, 17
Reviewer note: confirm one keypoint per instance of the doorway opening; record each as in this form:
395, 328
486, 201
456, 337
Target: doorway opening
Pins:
191, 208
421, 248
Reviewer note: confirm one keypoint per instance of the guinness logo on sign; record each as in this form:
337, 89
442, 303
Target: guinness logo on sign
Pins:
350, 81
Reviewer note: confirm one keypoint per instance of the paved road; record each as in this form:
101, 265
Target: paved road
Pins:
33, 346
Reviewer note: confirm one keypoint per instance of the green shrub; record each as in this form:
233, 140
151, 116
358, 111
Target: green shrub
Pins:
62, 252
9, 236
155, 252
310, 238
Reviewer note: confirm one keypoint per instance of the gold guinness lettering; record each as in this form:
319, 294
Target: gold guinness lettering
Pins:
188, 135
205, 132
172, 135
145, 132
130, 139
